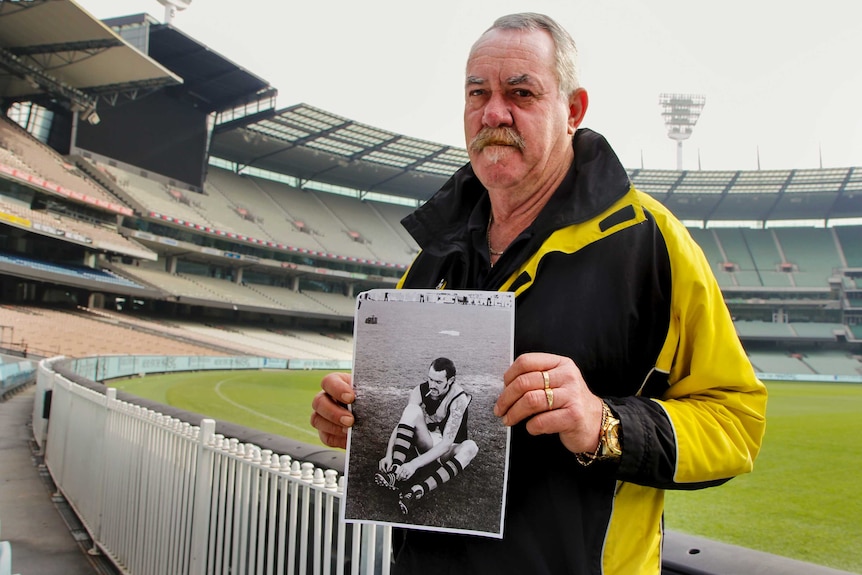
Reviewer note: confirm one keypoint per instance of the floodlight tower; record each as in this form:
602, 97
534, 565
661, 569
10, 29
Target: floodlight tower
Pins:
680, 112
172, 6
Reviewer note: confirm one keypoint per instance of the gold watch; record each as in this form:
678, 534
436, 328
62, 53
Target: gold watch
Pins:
609, 447
610, 435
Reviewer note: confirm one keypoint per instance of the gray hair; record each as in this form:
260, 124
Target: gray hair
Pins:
565, 50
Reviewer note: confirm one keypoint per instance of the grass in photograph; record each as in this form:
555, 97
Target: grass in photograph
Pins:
802, 500
477, 489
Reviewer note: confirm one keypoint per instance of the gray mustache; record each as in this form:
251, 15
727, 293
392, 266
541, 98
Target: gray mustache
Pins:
497, 137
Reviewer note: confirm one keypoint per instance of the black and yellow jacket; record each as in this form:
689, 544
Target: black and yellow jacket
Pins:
608, 277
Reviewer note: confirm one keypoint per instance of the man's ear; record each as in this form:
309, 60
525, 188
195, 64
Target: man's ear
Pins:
578, 103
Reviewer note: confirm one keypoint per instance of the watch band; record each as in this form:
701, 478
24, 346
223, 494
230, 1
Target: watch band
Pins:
609, 447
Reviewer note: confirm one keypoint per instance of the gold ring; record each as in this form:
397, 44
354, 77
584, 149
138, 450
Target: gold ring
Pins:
547, 379
549, 395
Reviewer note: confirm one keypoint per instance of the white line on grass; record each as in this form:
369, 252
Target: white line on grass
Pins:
257, 413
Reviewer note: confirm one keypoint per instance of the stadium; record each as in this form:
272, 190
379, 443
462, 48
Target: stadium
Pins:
155, 203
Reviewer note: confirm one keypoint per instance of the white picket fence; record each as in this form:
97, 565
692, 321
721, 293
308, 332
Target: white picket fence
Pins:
158, 495
5, 558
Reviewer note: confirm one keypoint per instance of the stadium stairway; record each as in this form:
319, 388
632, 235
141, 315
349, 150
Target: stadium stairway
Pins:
44, 534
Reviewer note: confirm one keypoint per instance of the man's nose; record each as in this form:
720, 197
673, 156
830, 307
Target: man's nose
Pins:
497, 113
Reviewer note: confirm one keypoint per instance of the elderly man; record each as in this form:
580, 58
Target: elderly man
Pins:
629, 377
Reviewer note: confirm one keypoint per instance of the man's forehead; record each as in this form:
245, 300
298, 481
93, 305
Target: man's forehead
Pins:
512, 56
436, 375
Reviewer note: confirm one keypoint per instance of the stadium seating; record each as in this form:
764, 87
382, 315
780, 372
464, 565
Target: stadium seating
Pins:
280, 343
147, 195
298, 344
812, 252
763, 329
778, 362
361, 224
850, 238
199, 287
227, 215
336, 303
25, 152
182, 330
818, 330
392, 214
736, 251
152, 274
82, 272
826, 362
765, 253
300, 221
55, 332
291, 300
337, 224
74, 230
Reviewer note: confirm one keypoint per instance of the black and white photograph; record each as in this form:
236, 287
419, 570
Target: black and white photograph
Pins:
426, 451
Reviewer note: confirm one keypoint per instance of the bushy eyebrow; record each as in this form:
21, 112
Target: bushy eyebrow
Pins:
512, 81
517, 80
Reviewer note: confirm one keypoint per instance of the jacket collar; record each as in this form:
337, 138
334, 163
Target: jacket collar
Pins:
595, 180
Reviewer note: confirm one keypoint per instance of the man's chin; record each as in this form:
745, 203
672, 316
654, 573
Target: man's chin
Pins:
494, 154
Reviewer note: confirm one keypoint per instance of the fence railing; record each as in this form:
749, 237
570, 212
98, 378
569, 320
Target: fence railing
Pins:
14, 375
160, 495
5, 558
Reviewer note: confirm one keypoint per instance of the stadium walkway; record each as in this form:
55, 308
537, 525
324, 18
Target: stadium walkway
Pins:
45, 536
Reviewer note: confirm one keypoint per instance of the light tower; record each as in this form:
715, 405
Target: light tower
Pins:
172, 6
680, 112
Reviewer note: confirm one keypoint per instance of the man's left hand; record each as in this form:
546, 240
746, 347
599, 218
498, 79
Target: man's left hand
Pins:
549, 392
405, 471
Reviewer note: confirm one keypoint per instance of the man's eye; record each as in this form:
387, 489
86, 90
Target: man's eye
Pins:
523, 93
476, 92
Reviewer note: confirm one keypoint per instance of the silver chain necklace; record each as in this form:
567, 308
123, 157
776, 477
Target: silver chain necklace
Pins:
491, 250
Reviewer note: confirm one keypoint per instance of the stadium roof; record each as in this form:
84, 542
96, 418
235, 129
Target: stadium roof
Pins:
810, 194
53, 50
313, 144
211, 80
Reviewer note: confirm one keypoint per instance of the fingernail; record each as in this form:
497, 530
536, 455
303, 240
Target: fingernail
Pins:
346, 420
347, 397
496, 411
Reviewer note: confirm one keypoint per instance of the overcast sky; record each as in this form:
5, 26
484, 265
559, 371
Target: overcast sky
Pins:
784, 78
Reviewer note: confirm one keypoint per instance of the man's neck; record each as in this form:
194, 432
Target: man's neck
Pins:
513, 212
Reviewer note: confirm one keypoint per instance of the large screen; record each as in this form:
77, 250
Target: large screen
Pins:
158, 133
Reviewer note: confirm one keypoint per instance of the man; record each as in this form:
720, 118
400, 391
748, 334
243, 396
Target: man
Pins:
431, 437
629, 378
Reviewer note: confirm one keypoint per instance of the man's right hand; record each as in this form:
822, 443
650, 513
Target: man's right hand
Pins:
331, 418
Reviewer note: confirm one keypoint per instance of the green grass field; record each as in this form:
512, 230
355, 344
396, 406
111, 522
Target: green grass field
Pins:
802, 501
277, 402
803, 498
